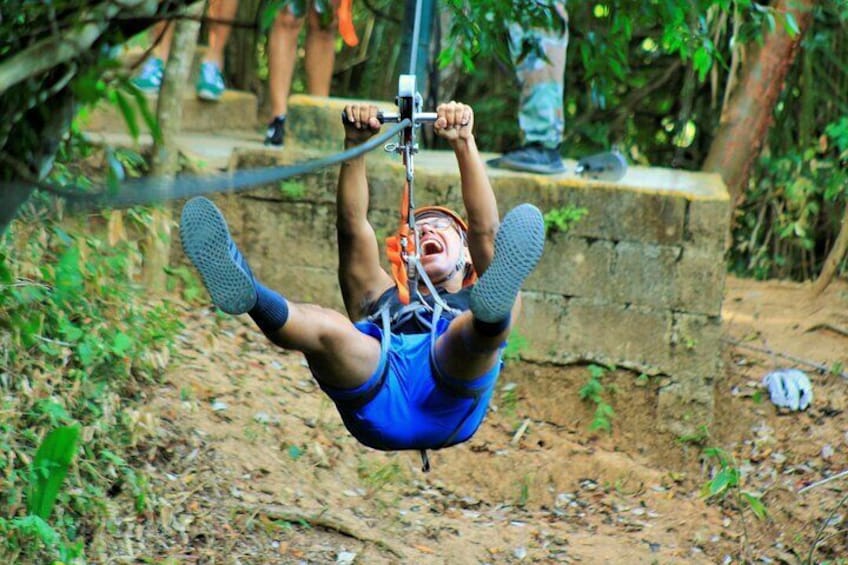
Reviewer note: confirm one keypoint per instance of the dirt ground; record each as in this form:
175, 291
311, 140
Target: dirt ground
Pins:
249, 463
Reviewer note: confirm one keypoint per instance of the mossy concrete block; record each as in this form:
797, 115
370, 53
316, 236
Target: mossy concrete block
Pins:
315, 122
575, 266
613, 213
695, 343
685, 406
644, 274
708, 221
561, 330
699, 280
306, 285
624, 335
541, 326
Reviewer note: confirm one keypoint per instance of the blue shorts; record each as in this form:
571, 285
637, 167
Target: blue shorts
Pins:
409, 405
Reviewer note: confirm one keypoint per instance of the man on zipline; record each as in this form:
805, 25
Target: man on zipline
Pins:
423, 379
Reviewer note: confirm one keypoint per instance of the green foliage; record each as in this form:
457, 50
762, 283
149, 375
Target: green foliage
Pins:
794, 209
77, 338
561, 220
797, 194
187, 281
49, 469
699, 437
509, 399
524, 491
514, 346
593, 391
477, 27
727, 479
377, 476
292, 189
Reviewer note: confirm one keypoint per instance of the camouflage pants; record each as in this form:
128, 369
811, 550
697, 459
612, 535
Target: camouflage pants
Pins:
540, 114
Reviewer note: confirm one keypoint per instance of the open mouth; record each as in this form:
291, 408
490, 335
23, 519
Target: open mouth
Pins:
431, 247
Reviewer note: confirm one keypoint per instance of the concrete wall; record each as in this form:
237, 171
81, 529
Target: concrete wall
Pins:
637, 283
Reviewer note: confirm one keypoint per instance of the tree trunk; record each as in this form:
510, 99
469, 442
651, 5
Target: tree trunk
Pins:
836, 255
165, 162
242, 64
748, 115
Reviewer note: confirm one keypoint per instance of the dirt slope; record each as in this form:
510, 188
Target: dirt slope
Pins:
250, 463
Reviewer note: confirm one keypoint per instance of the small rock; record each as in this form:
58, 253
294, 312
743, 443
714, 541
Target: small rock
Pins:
219, 406
345, 558
827, 452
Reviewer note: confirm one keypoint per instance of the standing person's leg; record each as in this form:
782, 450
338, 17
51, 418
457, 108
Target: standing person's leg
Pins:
339, 355
541, 117
219, 32
282, 56
149, 77
320, 52
540, 114
210, 82
161, 36
471, 346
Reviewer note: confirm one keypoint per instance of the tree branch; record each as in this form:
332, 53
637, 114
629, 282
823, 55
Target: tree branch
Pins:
324, 520
55, 50
817, 366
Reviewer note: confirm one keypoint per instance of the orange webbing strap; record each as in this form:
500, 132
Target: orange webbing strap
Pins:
346, 29
399, 245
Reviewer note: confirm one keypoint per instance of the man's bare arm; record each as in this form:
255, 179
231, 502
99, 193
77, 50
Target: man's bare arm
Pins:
455, 123
361, 277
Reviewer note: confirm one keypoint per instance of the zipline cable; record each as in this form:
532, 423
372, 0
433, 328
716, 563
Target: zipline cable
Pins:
416, 33
155, 190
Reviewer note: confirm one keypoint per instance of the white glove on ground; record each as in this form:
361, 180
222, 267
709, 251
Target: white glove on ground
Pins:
789, 388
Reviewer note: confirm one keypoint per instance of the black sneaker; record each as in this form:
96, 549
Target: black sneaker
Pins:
276, 133
531, 158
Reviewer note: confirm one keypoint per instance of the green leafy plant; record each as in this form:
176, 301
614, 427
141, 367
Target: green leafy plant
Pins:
82, 337
698, 437
376, 476
292, 189
509, 398
514, 346
185, 279
727, 479
49, 469
561, 220
593, 391
524, 491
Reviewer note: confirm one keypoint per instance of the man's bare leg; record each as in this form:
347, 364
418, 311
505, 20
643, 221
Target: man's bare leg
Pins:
320, 55
339, 355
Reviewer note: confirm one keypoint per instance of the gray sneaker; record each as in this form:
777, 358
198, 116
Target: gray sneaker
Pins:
207, 243
518, 247
531, 158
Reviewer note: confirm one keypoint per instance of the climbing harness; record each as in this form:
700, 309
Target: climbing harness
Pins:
404, 248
